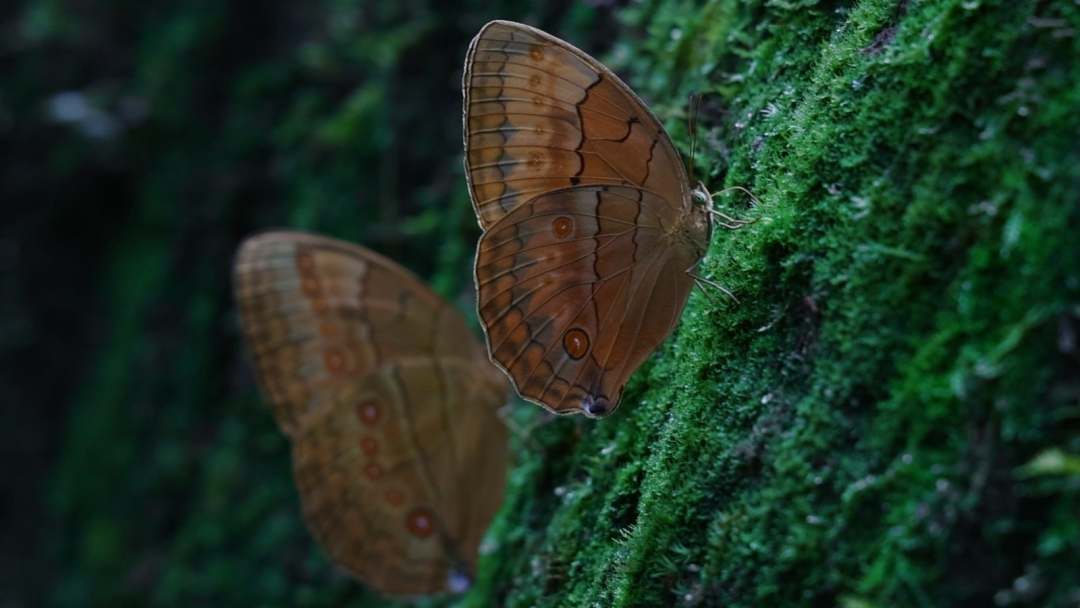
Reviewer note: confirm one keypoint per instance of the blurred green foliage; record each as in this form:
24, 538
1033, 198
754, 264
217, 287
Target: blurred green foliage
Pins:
888, 418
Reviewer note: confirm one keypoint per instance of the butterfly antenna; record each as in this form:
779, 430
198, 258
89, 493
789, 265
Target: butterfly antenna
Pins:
753, 199
691, 126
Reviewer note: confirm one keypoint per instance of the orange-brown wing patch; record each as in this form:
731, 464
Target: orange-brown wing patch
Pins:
402, 499
542, 115
384, 394
575, 288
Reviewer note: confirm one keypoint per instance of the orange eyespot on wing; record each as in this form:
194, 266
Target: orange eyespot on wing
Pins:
562, 226
389, 404
589, 227
576, 343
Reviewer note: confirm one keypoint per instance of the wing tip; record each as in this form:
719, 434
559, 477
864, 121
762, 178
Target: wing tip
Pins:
589, 406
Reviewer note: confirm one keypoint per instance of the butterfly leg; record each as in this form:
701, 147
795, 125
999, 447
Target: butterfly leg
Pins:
725, 220
707, 293
729, 222
700, 282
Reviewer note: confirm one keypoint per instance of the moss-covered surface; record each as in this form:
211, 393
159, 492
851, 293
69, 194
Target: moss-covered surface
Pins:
856, 431
889, 416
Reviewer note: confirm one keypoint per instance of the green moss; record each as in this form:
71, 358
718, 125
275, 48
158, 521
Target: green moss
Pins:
850, 432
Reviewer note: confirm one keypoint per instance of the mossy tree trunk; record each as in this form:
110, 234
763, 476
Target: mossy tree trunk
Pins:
883, 419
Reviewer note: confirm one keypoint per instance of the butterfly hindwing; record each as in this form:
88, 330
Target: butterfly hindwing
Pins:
572, 299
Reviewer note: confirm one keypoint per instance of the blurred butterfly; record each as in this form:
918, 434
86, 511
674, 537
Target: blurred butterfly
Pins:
591, 226
389, 404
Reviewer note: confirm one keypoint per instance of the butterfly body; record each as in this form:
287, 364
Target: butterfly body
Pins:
692, 233
590, 223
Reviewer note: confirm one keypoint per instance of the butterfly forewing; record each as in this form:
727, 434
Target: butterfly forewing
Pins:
589, 228
542, 115
389, 404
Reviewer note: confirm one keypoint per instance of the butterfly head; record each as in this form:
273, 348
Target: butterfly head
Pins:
698, 225
701, 195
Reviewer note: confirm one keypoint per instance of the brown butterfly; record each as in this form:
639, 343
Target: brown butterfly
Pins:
389, 404
591, 227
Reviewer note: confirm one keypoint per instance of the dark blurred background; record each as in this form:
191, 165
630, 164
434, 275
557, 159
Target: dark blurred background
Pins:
141, 142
